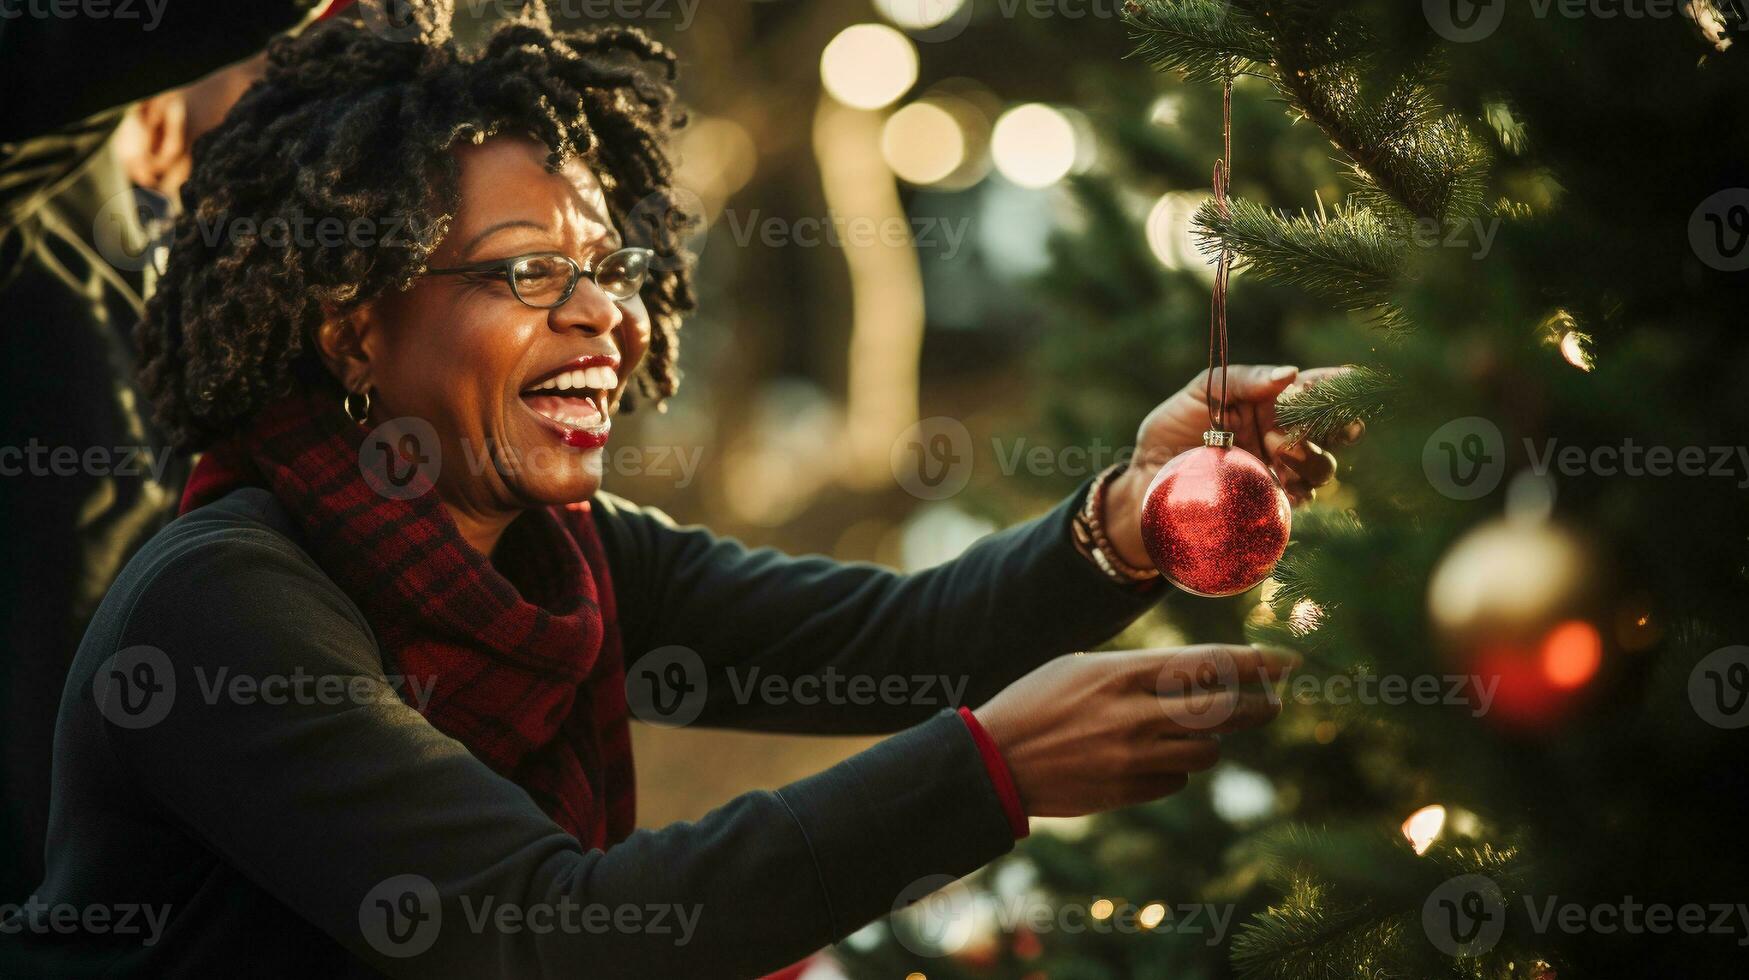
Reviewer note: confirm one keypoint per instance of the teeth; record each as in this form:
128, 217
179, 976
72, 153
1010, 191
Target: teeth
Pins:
595, 378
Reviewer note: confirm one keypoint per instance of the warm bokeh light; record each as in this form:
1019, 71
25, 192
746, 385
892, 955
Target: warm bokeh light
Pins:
1151, 915
1423, 827
1101, 909
919, 15
1034, 145
1573, 349
718, 158
1507, 574
868, 66
1305, 617
923, 143
1571, 654
1170, 233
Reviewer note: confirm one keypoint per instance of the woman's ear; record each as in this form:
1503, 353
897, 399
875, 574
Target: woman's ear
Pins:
342, 342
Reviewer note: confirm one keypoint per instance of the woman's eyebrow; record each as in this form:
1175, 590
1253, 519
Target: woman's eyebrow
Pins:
500, 226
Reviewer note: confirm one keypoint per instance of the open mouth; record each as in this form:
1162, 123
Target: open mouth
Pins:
573, 400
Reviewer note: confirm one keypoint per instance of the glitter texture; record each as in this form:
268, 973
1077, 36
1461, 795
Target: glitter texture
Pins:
1215, 521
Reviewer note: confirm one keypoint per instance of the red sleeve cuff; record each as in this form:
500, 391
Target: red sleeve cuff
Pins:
1000, 777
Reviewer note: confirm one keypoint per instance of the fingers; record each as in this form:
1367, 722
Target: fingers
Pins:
1219, 688
1304, 460
1249, 382
1170, 669
1146, 789
1218, 712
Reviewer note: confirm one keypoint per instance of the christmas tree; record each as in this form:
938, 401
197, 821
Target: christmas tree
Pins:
1517, 744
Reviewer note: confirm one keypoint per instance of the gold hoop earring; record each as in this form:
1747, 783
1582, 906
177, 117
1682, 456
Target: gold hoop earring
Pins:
360, 414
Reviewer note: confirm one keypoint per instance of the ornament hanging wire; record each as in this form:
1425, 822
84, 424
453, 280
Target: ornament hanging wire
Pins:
1223, 263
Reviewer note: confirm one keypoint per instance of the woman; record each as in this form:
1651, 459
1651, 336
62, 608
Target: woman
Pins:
362, 707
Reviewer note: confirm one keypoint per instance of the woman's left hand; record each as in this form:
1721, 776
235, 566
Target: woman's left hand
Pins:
1177, 424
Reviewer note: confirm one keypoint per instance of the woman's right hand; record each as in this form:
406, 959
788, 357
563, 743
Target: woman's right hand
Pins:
1091, 732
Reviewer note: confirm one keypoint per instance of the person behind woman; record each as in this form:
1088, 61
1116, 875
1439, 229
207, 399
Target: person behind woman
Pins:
363, 706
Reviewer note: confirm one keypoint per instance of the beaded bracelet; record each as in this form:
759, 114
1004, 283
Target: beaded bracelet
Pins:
1091, 540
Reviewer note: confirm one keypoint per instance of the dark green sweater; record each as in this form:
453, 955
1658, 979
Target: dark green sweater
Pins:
329, 836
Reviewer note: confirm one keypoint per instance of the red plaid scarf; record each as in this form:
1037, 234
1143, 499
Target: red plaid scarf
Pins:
530, 680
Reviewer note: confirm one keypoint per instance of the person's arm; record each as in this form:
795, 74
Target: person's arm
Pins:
322, 803
808, 644
94, 63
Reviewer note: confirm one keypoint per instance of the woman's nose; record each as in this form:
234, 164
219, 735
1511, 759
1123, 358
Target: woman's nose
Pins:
589, 308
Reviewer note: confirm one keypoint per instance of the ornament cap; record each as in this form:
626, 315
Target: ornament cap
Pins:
1217, 439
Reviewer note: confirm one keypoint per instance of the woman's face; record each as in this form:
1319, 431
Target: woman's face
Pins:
521, 398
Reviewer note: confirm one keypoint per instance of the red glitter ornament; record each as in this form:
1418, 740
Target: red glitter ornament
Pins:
1215, 520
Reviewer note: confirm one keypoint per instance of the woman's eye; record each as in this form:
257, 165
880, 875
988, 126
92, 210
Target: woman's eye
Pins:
539, 270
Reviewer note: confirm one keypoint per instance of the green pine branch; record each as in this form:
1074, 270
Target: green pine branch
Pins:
1359, 394
1207, 40
1401, 144
1349, 256
1311, 935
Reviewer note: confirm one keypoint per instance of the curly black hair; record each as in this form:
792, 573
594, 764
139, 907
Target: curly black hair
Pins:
355, 123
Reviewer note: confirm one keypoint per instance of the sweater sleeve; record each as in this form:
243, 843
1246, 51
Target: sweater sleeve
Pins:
808, 644
132, 49
342, 802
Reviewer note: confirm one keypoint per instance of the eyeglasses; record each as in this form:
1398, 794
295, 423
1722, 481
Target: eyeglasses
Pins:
544, 280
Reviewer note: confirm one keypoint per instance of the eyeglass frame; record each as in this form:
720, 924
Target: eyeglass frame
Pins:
505, 267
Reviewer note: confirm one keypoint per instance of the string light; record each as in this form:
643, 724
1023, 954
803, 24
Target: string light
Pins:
1034, 145
868, 66
923, 143
1424, 826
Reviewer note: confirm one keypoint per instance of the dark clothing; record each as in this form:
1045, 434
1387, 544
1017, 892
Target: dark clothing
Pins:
83, 481
281, 835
